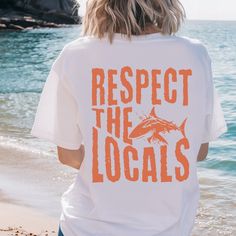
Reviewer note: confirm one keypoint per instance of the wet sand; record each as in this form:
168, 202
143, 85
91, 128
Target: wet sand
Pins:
23, 221
31, 183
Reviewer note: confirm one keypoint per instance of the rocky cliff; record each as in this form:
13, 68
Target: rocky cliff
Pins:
21, 14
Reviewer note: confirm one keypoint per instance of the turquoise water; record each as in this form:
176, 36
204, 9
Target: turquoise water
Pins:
26, 57
30, 173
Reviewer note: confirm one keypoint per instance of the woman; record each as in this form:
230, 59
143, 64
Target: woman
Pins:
133, 108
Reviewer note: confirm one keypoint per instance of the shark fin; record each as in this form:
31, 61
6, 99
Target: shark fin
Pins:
182, 126
153, 113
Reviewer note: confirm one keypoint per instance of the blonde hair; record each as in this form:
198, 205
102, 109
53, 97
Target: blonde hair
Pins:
131, 17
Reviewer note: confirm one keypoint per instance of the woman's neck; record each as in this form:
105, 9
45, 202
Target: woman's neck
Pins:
149, 29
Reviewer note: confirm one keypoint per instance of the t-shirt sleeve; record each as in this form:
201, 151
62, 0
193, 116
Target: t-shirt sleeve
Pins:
56, 118
215, 124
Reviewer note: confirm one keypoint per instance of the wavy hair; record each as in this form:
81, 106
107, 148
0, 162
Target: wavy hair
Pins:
131, 17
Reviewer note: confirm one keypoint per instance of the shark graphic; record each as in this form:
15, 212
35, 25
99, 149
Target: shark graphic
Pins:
156, 125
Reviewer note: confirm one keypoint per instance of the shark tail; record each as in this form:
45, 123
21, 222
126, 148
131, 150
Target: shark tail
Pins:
182, 126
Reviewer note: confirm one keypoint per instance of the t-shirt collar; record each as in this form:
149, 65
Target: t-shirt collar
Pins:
120, 36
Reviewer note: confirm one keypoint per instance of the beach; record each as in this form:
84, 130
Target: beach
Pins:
29, 194
31, 178
21, 220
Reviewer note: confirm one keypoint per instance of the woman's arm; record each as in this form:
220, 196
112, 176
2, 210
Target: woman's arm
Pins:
72, 158
203, 151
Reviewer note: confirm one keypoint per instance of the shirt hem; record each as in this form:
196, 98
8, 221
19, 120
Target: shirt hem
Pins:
214, 136
49, 137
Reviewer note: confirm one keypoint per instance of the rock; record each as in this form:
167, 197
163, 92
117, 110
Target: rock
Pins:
27, 14
49, 24
5, 19
24, 22
2, 26
15, 27
61, 11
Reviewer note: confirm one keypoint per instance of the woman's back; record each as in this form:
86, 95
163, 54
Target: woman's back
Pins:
142, 109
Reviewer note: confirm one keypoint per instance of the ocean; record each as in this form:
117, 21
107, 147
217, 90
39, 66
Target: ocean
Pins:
30, 173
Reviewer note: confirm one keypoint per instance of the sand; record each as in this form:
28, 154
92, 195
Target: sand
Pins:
24, 221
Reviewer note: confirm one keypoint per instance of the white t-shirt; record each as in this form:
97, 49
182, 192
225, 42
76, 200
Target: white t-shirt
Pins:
142, 108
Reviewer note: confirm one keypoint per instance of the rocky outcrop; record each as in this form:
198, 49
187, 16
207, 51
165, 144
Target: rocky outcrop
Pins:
22, 14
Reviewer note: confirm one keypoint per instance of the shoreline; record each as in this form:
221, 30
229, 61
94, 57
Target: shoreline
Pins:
32, 178
31, 183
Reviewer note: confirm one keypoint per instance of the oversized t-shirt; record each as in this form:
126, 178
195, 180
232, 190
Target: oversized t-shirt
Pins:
142, 109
